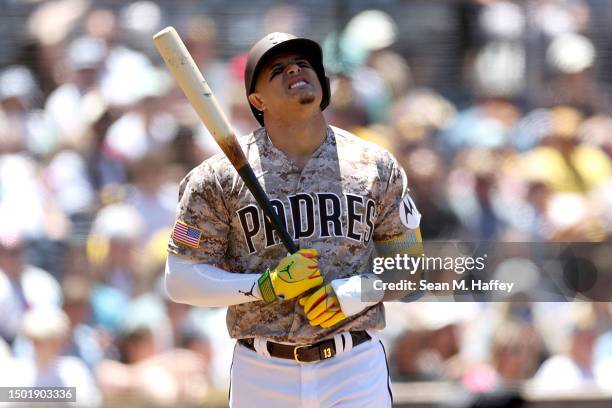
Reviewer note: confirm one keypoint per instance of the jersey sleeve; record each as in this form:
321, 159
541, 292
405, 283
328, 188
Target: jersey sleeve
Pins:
202, 222
398, 216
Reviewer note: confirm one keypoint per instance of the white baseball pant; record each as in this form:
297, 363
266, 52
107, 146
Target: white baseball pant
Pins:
353, 378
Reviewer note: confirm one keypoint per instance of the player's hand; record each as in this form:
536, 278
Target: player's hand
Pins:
294, 275
322, 308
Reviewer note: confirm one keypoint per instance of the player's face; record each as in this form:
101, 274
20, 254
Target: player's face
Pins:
288, 77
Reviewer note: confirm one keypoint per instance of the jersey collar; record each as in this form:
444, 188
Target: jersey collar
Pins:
269, 150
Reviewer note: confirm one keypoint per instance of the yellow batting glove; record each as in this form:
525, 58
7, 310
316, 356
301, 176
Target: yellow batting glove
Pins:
294, 275
322, 308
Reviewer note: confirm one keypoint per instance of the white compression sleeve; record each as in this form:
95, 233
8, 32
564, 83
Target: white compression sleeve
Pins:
349, 294
206, 285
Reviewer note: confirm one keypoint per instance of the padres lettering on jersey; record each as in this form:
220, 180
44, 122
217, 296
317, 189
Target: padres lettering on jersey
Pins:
350, 194
322, 215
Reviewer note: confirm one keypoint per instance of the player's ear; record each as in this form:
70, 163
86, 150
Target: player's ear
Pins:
256, 100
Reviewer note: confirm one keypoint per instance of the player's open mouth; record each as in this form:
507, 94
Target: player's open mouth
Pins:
298, 84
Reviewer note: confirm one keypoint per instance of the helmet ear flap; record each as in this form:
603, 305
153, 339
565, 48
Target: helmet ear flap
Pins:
326, 91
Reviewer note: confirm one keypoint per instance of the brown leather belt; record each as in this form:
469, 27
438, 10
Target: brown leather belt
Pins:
308, 353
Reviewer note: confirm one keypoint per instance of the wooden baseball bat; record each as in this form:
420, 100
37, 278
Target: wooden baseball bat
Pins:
196, 89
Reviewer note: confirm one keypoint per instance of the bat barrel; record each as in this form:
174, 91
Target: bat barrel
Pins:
196, 89
194, 86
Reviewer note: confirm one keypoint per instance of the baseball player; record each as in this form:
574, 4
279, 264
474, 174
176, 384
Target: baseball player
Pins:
305, 335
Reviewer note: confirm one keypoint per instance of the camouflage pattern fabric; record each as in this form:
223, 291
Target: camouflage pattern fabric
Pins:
350, 194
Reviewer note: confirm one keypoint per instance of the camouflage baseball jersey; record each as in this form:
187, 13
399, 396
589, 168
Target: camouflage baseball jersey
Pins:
348, 195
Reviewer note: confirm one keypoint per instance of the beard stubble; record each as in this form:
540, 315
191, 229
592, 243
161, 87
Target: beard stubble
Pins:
307, 99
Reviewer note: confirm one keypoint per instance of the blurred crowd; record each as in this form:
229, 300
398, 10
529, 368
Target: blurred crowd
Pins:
95, 136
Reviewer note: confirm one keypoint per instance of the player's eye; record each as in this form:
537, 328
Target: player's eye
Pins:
275, 72
303, 64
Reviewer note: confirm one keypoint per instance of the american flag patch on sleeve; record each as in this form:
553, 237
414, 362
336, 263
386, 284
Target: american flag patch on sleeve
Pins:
186, 235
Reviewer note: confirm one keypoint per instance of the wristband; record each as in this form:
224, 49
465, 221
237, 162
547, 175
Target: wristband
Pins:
265, 287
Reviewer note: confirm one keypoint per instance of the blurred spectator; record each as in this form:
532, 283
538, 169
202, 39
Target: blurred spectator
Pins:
425, 168
148, 311
474, 194
75, 104
580, 225
148, 127
143, 374
561, 161
151, 195
30, 128
285, 19
516, 352
487, 125
140, 19
195, 340
22, 286
83, 340
117, 234
48, 329
572, 370
168, 321
499, 67
25, 202
538, 198
418, 117
201, 39
346, 109
597, 131
429, 349
571, 58
112, 249
49, 24
186, 150
68, 182
136, 345
102, 24
105, 168
128, 76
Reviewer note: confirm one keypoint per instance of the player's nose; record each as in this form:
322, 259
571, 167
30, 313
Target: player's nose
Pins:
293, 69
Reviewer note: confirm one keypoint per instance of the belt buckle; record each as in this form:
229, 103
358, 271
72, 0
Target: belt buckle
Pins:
295, 353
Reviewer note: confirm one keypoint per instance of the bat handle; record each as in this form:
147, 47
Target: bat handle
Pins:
247, 174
